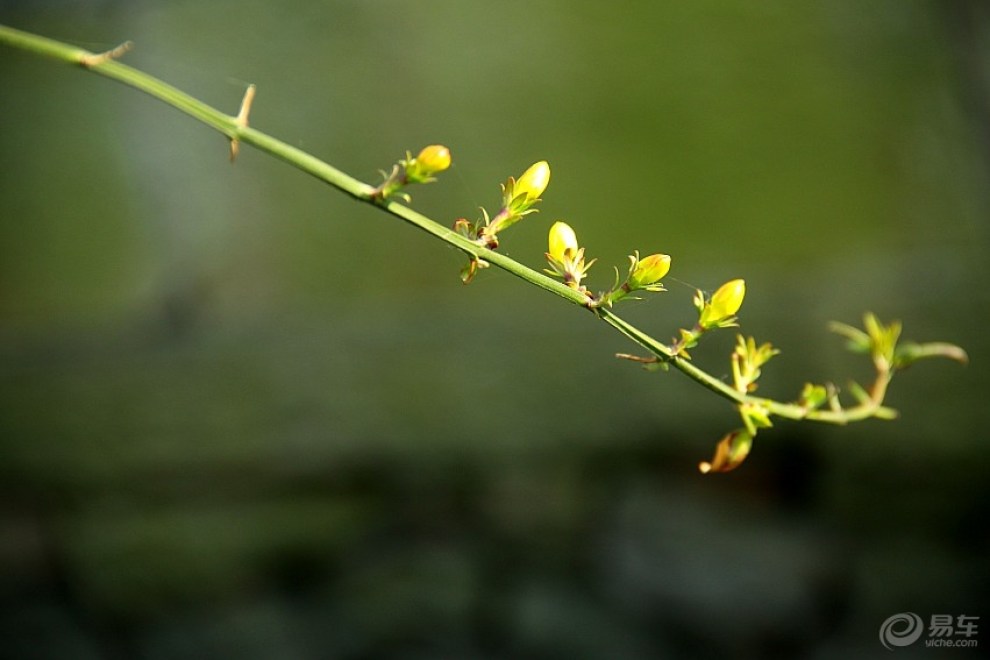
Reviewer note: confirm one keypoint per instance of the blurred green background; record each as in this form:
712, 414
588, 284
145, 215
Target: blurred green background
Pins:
243, 416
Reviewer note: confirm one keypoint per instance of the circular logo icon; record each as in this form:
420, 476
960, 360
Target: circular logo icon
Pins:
901, 629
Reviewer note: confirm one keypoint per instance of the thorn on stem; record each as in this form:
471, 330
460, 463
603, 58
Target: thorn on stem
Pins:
241, 120
95, 59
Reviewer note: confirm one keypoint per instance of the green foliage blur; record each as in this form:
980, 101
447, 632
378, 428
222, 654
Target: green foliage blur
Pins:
243, 416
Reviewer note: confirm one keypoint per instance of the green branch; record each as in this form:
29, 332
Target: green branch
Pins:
480, 249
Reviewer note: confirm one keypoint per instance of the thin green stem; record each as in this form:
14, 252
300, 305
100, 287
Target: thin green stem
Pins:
236, 129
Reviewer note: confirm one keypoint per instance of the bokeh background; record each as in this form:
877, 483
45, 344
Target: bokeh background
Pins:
244, 416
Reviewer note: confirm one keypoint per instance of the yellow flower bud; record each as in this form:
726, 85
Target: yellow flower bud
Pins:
562, 241
429, 161
533, 181
434, 158
565, 257
724, 303
729, 298
518, 196
649, 270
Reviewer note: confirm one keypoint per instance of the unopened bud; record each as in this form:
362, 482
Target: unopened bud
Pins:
533, 181
434, 158
649, 270
562, 241
724, 303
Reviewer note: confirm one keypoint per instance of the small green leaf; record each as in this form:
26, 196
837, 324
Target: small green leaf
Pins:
755, 416
699, 300
883, 412
859, 341
861, 395
910, 352
813, 396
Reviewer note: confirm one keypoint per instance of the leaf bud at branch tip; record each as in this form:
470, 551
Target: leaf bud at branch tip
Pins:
730, 452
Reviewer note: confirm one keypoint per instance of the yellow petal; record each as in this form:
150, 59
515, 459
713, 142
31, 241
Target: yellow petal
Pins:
434, 158
533, 181
562, 241
724, 303
649, 270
